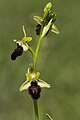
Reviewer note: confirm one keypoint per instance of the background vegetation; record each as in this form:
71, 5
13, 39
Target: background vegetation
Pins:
58, 61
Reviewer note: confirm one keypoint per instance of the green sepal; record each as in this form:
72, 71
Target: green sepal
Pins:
38, 19
42, 84
46, 28
54, 29
26, 39
37, 75
25, 85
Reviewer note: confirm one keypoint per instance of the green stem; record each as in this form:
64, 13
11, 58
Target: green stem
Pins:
34, 65
36, 110
37, 51
32, 51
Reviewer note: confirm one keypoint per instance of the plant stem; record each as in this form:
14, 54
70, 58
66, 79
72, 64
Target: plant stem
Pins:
32, 51
36, 110
34, 65
37, 51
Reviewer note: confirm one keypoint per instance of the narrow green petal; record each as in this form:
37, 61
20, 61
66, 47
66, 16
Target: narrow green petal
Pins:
41, 83
55, 29
28, 76
38, 19
37, 75
24, 32
25, 85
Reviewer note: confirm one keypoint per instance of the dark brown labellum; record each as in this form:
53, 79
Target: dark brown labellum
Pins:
14, 55
17, 52
34, 90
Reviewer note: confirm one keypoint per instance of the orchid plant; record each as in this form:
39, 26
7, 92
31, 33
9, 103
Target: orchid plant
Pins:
33, 82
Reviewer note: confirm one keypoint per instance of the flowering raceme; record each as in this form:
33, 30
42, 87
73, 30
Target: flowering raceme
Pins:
33, 83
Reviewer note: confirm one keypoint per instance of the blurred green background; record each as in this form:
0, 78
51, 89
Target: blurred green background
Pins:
58, 61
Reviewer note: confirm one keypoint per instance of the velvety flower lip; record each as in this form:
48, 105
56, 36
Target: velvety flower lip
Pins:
14, 55
34, 90
17, 52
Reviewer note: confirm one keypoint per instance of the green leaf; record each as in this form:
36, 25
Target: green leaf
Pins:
54, 29
38, 19
25, 85
49, 116
41, 83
